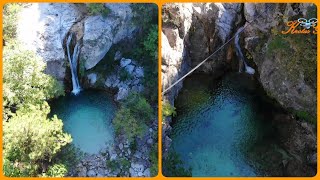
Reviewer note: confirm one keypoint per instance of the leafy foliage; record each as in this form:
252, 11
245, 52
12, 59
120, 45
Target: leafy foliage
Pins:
133, 117
150, 44
124, 74
97, 8
24, 81
146, 51
57, 170
139, 107
305, 116
30, 139
299, 52
154, 160
125, 123
173, 166
168, 110
10, 20
112, 164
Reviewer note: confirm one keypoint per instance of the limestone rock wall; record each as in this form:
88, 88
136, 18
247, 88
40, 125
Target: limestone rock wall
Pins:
43, 27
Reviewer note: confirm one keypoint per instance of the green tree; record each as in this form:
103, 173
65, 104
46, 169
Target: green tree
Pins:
10, 20
24, 80
125, 123
146, 50
31, 140
151, 42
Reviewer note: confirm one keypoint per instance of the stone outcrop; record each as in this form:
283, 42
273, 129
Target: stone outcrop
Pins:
43, 28
102, 32
287, 85
126, 78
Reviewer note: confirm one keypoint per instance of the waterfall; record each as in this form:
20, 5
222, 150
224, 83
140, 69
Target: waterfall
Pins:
242, 60
73, 65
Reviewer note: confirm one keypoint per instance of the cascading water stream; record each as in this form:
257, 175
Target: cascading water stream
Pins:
73, 65
248, 69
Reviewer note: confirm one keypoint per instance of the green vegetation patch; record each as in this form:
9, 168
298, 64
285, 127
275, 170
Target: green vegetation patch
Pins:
299, 54
173, 166
97, 9
133, 117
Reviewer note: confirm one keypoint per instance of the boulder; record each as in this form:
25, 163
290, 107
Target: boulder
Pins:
100, 33
124, 62
147, 173
117, 56
112, 81
129, 68
123, 92
92, 77
82, 171
138, 72
91, 173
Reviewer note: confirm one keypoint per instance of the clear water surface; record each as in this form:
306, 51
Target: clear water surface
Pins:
87, 117
218, 124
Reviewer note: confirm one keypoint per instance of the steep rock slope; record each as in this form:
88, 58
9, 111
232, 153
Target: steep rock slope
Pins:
284, 71
43, 29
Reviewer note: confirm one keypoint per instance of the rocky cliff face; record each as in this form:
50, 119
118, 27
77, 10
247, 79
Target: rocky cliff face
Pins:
100, 33
285, 77
43, 28
190, 33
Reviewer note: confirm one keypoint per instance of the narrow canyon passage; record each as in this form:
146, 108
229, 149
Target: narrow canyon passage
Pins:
219, 123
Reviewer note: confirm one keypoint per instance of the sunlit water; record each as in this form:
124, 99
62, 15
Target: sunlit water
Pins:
87, 117
218, 125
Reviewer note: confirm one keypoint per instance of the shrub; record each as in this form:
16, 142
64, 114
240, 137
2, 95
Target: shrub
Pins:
305, 116
97, 8
124, 75
69, 156
151, 42
10, 20
139, 107
154, 160
31, 140
168, 110
24, 80
125, 163
113, 165
173, 166
146, 50
57, 170
125, 123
